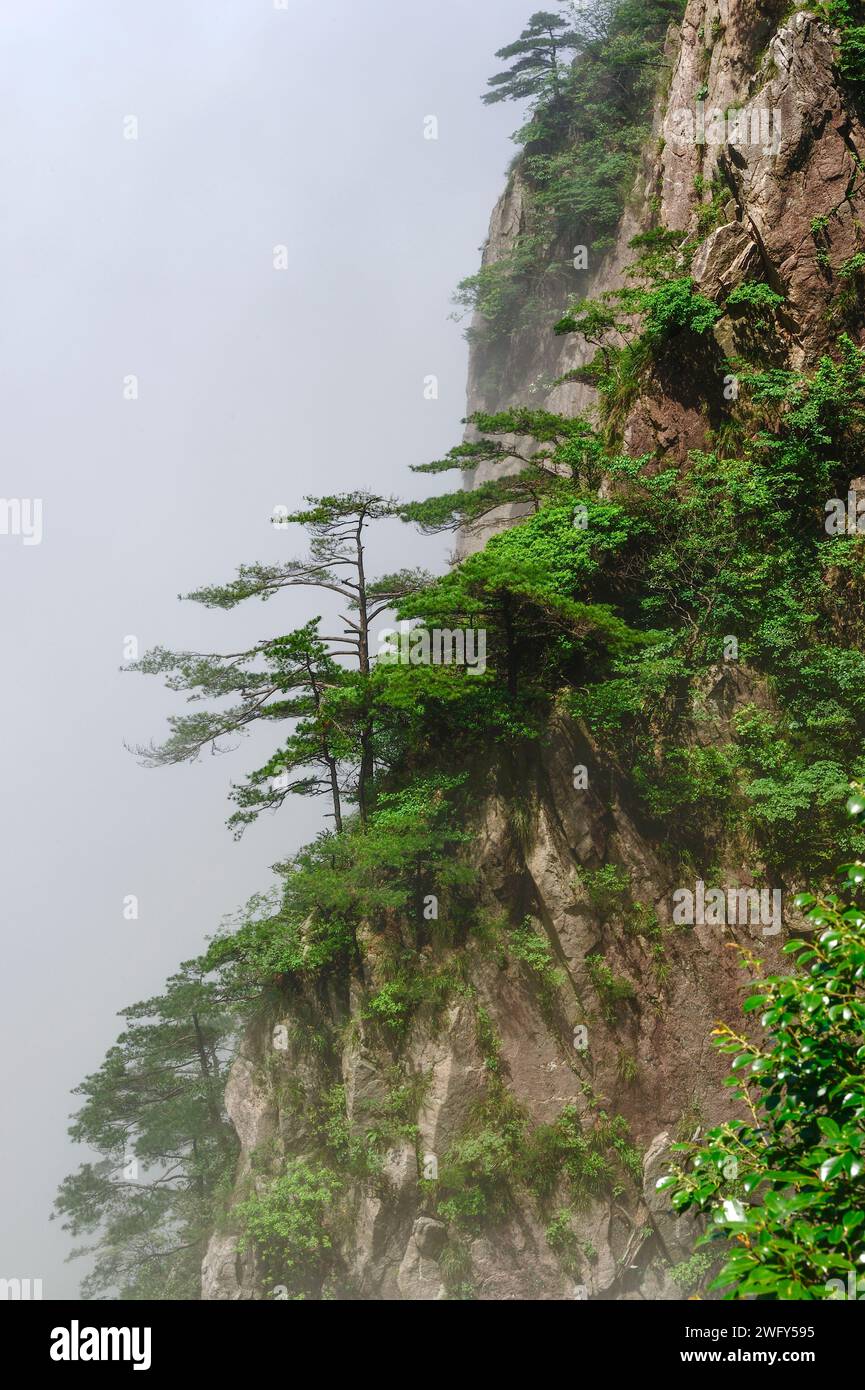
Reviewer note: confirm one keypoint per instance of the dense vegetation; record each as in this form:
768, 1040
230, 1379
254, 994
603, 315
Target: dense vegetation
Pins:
784, 1186
629, 587
579, 148
849, 17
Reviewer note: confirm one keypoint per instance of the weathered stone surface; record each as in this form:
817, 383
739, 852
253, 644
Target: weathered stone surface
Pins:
726, 258
248, 1109
430, 1236
419, 1278
397, 1248
678, 1234
225, 1274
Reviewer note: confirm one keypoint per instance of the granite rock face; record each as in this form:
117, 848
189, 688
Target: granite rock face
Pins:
788, 161
396, 1246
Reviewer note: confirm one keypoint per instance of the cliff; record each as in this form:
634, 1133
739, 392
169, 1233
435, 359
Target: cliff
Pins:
601, 1065
760, 198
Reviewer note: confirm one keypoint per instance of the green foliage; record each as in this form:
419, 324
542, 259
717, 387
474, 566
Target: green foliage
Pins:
627, 1067
520, 590
658, 550
612, 989
346, 1152
497, 292
590, 1159
691, 781
153, 1114
690, 1274
777, 590
607, 887
563, 1239
711, 212
580, 146
668, 307
501, 1154
488, 1042
412, 986
533, 949
633, 327
756, 299
289, 1226
537, 69
476, 1176
849, 17
677, 306
784, 1187
298, 676
853, 266
408, 847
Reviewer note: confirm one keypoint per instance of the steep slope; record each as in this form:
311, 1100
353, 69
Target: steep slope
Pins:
758, 200
575, 1030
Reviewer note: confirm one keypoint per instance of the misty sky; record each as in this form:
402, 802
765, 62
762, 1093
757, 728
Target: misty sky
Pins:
153, 258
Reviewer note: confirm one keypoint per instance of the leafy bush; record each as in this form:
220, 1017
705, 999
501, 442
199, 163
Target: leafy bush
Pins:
476, 1177
849, 16
590, 1158
534, 951
607, 887
562, 1238
756, 299
360, 874
288, 1226
677, 306
785, 1186
612, 989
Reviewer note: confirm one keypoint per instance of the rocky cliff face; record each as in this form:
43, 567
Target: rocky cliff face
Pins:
794, 158
636, 1045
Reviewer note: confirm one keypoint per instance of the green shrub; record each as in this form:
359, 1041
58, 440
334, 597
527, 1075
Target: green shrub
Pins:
689, 1274
756, 299
611, 989
288, 1225
589, 1158
784, 1187
476, 1176
528, 946
608, 888
562, 1238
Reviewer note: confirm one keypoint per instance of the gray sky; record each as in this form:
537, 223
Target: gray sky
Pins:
153, 257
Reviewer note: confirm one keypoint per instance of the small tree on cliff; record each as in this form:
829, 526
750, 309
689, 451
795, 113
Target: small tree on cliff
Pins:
538, 57
560, 449
294, 676
154, 1114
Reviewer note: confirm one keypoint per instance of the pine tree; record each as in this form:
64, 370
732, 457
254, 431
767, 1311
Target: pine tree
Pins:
154, 1114
296, 676
538, 59
559, 448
